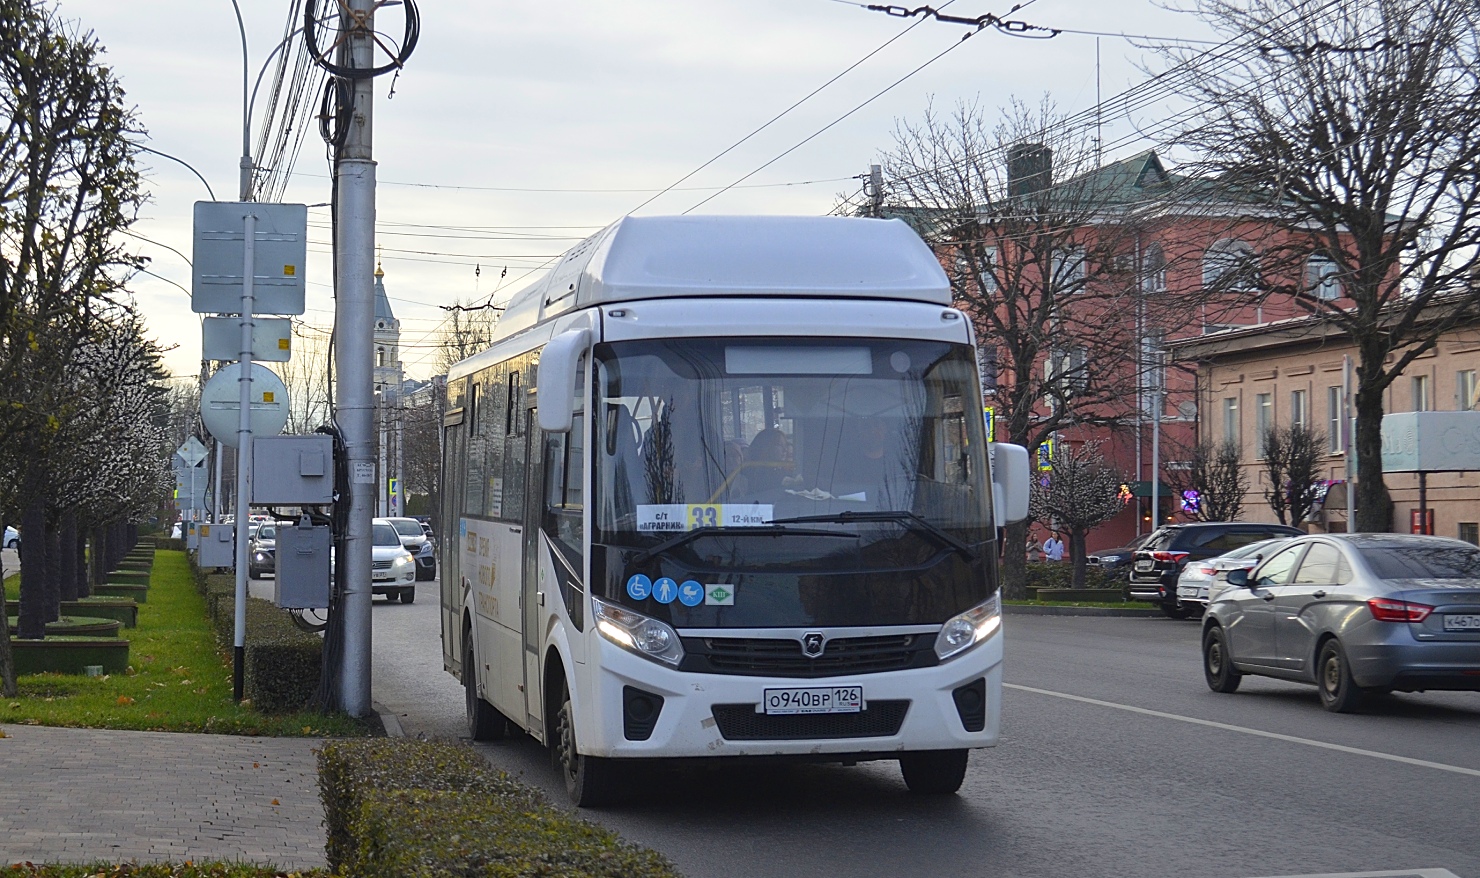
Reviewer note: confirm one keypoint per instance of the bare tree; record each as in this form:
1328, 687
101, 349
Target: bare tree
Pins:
1078, 492
467, 330
1292, 463
1040, 259
306, 375
1216, 474
1354, 127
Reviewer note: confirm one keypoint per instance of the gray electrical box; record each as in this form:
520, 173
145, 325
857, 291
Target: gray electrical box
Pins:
192, 538
217, 545
302, 580
293, 470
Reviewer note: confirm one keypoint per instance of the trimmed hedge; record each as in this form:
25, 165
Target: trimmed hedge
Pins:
396, 807
156, 870
1060, 574
281, 662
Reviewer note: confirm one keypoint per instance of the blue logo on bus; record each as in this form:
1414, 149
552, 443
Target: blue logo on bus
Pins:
665, 590
691, 594
639, 587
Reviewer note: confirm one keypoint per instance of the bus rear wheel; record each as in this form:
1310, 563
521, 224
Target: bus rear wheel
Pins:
934, 772
589, 780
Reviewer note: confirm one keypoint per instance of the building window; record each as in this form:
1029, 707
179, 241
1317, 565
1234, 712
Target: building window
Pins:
966, 265
1230, 420
1422, 401
1230, 266
1464, 391
1333, 419
1156, 270
1469, 531
1298, 409
1068, 269
1321, 278
1263, 419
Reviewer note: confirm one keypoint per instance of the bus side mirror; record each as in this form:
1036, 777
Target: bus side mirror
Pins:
1009, 482
555, 394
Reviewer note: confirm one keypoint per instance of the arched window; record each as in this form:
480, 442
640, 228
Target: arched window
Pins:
379, 357
1230, 266
1322, 278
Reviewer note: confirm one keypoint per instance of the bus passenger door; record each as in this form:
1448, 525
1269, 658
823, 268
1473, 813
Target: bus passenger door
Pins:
529, 598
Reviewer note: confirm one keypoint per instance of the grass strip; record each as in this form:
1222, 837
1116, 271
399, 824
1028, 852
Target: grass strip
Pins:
157, 870
1113, 605
177, 680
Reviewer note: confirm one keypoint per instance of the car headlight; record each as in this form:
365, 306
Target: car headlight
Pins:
261, 556
637, 633
966, 630
426, 549
402, 562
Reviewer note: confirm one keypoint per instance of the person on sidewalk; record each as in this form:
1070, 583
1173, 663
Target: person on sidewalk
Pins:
1053, 548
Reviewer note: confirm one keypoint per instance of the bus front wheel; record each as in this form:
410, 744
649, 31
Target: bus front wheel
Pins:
484, 722
589, 780
934, 772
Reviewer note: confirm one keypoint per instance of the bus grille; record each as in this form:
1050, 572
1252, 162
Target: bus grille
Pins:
740, 722
774, 657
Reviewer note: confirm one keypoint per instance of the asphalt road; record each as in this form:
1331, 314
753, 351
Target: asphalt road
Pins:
1116, 760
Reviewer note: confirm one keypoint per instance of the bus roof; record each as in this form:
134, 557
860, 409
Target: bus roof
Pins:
670, 256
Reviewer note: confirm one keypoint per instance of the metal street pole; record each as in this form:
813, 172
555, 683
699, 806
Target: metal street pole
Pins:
354, 321
1346, 443
244, 456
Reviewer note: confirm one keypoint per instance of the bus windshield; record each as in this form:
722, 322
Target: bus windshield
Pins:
760, 463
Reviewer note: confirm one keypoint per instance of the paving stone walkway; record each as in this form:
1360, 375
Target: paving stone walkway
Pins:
84, 795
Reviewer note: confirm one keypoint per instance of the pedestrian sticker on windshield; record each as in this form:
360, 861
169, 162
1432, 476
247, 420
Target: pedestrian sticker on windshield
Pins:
665, 590
639, 587
719, 595
691, 594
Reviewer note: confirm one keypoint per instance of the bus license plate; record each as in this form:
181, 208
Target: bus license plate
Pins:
1467, 622
830, 699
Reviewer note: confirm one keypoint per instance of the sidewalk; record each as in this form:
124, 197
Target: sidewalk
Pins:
82, 795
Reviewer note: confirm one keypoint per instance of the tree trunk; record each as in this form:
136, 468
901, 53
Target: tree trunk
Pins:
1015, 562
1374, 504
33, 616
1077, 557
67, 557
99, 550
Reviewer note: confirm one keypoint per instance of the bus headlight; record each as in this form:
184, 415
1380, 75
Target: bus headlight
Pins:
637, 633
968, 629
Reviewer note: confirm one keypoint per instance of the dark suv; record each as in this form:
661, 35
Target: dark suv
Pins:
1159, 561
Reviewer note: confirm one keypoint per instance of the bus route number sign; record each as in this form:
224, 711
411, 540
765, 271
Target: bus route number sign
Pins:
819, 699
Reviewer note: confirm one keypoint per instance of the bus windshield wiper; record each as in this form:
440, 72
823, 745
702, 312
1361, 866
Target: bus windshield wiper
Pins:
770, 529
909, 519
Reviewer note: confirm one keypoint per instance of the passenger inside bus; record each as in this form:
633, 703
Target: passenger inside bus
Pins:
768, 462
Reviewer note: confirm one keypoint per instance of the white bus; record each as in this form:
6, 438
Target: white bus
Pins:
720, 488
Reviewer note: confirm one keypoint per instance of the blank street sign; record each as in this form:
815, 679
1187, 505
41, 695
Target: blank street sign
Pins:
272, 339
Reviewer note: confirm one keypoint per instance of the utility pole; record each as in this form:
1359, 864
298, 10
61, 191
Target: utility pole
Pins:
876, 191
354, 321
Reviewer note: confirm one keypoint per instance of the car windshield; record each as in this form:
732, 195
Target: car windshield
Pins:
267, 532
407, 527
383, 534
1424, 562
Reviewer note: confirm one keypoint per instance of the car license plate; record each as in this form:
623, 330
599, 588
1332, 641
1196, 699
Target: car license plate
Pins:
1467, 622
829, 699
1144, 565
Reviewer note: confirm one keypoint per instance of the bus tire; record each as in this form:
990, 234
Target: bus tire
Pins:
590, 781
485, 723
934, 772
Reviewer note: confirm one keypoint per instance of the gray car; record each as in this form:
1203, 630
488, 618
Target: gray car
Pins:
1354, 614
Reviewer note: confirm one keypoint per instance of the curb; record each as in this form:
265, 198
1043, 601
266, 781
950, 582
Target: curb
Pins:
1018, 610
388, 719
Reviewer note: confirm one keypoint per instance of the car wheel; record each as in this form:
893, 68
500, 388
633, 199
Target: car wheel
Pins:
408, 595
1218, 666
485, 723
1177, 611
934, 772
1339, 694
13, 544
589, 780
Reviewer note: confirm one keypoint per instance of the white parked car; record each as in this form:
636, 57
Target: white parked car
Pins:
1200, 577
12, 538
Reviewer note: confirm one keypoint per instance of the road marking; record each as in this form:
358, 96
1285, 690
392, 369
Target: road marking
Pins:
1401, 873
1309, 742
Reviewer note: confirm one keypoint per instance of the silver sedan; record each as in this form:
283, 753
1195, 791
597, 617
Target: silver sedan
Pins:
1199, 577
1354, 614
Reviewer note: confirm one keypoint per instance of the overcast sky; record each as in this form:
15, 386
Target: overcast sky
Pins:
518, 128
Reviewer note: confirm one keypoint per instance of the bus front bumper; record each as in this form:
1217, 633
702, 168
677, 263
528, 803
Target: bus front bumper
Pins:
720, 715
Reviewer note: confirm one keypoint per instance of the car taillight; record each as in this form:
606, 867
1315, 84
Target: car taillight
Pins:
1170, 557
1384, 610
1207, 571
